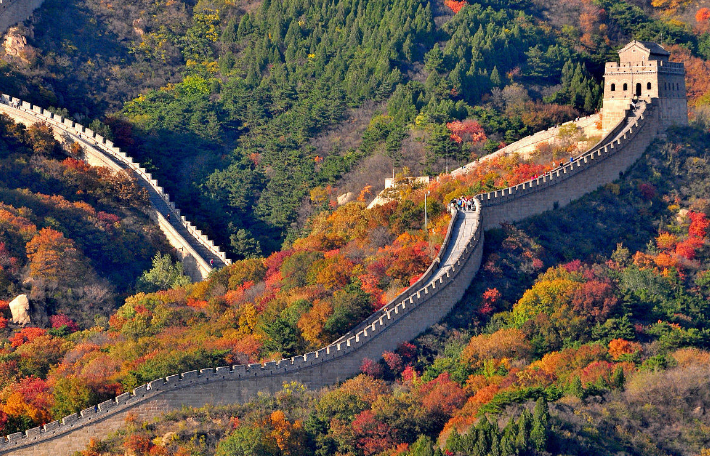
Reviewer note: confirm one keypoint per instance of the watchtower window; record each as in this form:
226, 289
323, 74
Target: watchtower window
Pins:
613, 87
638, 89
626, 87
677, 86
648, 86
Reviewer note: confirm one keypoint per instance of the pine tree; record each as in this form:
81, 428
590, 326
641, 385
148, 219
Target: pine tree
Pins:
495, 77
575, 388
618, 379
422, 447
454, 442
522, 439
541, 417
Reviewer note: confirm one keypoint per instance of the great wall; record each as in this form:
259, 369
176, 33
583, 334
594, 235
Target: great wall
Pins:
194, 247
15, 11
411, 313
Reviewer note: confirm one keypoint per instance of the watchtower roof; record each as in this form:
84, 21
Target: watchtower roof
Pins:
643, 50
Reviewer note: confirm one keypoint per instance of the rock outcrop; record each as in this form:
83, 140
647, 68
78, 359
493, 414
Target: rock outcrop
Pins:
20, 308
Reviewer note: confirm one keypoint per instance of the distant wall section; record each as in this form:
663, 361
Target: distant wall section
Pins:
620, 149
15, 11
193, 247
586, 126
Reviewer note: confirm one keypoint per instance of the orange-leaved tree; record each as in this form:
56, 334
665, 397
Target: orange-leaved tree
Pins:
54, 257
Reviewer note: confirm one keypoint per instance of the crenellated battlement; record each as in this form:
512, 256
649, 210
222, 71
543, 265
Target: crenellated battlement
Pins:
342, 357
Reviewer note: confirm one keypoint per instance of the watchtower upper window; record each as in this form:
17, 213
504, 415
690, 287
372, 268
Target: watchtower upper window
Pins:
613, 87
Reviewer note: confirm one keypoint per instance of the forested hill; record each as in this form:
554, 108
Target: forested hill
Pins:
255, 115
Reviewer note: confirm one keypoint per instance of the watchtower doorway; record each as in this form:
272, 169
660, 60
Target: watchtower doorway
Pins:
638, 89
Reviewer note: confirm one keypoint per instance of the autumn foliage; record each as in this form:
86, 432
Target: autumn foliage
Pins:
455, 5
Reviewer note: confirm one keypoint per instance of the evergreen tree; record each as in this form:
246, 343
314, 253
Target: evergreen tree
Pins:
575, 388
422, 447
522, 439
496, 81
541, 417
618, 379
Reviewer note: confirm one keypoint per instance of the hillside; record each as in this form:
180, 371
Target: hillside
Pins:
76, 238
555, 334
251, 94
287, 98
257, 116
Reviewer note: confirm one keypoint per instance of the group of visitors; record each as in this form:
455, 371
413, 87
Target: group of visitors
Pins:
14, 104
464, 203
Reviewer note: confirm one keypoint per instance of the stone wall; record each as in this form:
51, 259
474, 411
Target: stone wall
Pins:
98, 151
603, 164
411, 313
15, 11
425, 303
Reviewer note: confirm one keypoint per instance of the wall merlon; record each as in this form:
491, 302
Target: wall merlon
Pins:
70, 419
51, 426
15, 436
138, 392
106, 405
88, 412
408, 314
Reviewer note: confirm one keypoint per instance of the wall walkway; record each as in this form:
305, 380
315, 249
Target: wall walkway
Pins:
412, 312
195, 248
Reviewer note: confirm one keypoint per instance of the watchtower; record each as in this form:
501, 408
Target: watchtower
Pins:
644, 72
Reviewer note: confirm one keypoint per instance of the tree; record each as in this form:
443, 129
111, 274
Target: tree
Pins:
541, 417
164, 275
54, 257
424, 446
243, 245
41, 136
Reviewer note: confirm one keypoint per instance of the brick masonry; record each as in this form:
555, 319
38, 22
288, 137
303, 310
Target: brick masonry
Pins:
421, 306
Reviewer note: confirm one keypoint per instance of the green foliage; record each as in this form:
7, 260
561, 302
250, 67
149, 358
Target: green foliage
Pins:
163, 275
244, 441
165, 364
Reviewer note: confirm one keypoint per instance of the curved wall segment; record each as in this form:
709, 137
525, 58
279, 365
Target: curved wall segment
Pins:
194, 247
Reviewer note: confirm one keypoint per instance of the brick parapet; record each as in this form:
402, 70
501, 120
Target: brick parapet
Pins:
403, 320
510, 201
